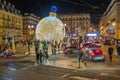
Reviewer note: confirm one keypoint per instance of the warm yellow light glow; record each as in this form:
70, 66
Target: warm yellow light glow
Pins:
109, 21
101, 28
64, 24
90, 28
113, 24
94, 30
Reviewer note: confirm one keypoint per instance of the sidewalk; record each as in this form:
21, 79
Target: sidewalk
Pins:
10, 59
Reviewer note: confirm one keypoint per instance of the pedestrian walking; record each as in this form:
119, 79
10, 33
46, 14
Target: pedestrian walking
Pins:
110, 52
40, 56
118, 51
45, 53
0, 50
53, 52
83, 58
80, 54
37, 51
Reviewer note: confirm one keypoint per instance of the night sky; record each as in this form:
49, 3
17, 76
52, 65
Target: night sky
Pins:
41, 8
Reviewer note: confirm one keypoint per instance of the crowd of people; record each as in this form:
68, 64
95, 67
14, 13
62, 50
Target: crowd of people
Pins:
43, 48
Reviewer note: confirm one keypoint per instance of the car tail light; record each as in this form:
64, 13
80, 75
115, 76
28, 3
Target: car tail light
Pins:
66, 48
103, 53
97, 51
92, 54
87, 46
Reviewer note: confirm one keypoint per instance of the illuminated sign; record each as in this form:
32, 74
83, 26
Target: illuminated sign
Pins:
91, 34
74, 34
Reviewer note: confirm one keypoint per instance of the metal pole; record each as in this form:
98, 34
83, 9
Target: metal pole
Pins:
6, 36
13, 42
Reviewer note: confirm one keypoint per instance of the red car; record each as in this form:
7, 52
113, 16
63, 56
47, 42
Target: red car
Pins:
95, 54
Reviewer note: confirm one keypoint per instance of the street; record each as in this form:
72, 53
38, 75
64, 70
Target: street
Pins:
95, 69
60, 40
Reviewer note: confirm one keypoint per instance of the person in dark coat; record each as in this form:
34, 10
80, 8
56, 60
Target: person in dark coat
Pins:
110, 52
118, 52
36, 43
80, 54
41, 55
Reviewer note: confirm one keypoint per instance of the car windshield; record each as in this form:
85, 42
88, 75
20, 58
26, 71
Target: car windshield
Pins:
95, 46
97, 42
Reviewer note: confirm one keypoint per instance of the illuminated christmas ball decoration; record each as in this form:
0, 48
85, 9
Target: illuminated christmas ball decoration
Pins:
50, 28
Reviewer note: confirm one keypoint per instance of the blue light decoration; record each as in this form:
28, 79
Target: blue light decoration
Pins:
53, 9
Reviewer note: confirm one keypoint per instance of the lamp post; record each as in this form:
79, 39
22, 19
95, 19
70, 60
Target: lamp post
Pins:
13, 41
6, 40
31, 31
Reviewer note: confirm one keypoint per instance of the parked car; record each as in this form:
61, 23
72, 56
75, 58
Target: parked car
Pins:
69, 49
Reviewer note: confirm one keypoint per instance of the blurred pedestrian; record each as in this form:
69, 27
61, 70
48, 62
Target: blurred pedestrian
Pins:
85, 52
118, 51
40, 56
46, 54
110, 52
53, 52
37, 51
0, 50
80, 54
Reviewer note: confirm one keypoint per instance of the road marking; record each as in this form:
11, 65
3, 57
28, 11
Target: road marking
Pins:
99, 68
65, 75
81, 78
109, 75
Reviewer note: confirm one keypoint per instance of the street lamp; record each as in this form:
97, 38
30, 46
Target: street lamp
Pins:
13, 41
113, 24
30, 27
6, 40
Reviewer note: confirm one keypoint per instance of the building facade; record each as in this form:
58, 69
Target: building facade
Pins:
76, 23
30, 22
10, 22
110, 21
